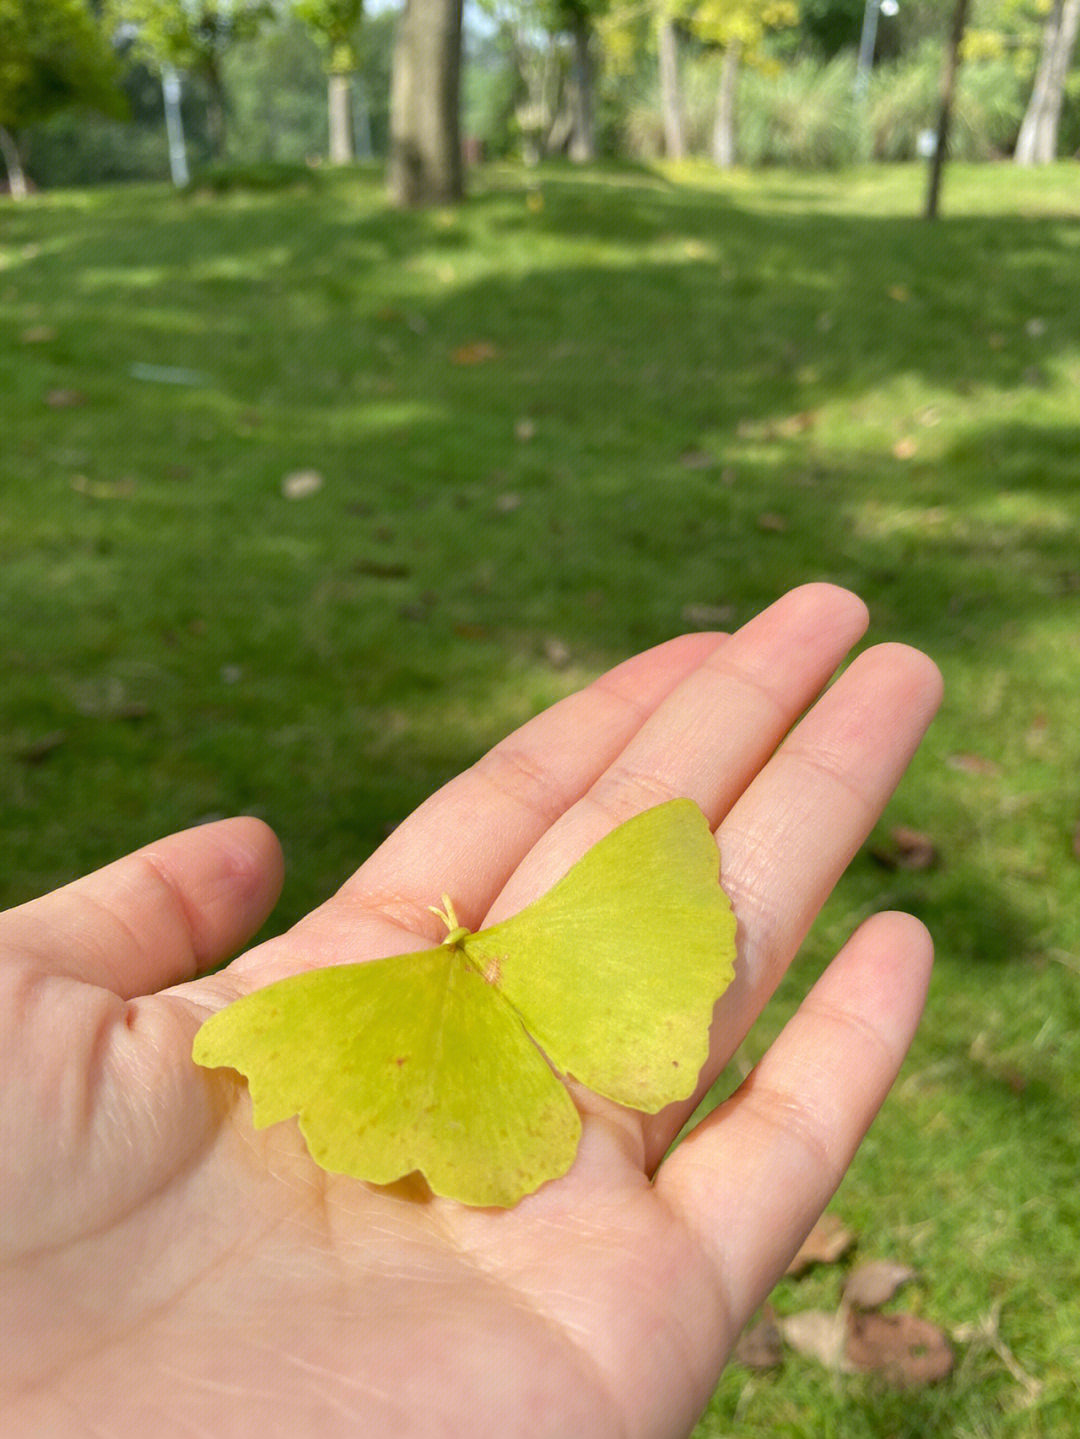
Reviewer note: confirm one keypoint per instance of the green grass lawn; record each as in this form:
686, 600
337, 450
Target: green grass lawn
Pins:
576, 416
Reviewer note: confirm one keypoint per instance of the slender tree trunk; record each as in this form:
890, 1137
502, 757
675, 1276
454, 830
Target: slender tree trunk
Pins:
216, 108
339, 111
1037, 142
425, 133
723, 146
582, 134
948, 90
13, 164
670, 91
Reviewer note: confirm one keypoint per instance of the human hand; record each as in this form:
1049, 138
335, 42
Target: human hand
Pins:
169, 1270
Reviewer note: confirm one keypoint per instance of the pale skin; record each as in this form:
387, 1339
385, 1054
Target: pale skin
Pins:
168, 1270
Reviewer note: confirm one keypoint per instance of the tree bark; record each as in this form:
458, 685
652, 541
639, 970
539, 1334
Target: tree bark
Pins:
339, 111
723, 146
1037, 141
671, 91
948, 90
425, 133
582, 147
216, 107
13, 164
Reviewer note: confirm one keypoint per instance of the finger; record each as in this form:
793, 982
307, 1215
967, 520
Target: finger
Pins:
158, 916
752, 1177
712, 733
468, 837
791, 835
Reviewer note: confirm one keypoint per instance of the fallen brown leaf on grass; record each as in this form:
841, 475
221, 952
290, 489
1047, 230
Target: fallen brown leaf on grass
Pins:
761, 1345
904, 1349
64, 399
873, 1283
474, 354
38, 335
829, 1240
708, 617
973, 764
772, 523
907, 849
816, 1334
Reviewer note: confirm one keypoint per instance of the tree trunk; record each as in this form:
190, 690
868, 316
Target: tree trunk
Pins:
582, 146
1037, 142
216, 108
948, 90
425, 133
723, 146
339, 111
13, 164
671, 91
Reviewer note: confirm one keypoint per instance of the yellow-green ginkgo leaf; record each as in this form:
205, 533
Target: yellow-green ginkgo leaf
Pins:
433, 1061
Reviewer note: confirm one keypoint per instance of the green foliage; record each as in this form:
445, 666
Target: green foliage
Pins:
188, 34
425, 1061
904, 99
53, 55
801, 115
334, 24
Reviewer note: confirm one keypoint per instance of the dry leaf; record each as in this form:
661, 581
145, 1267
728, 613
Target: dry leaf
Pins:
300, 484
64, 399
900, 293
40, 749
905, 1350
797, 424
474, 354
772, 523
693, 459
872, 1284
556, 653
761, 1345
102, 489
907, 849
708, 617
524, 430
507, 502
829, 1240
382, 569
973, 764
818, 1335
905, 449
38, 335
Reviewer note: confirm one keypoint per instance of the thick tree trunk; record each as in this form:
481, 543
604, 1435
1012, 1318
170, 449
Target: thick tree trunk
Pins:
582, 145
671, 91
723, 146
948, 90
13, 164
339, 111
425, 134
1037, 142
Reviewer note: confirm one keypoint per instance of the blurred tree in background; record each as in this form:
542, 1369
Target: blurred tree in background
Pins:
303, 79
53, 56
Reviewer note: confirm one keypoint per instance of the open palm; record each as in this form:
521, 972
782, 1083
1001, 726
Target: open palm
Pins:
169, 1270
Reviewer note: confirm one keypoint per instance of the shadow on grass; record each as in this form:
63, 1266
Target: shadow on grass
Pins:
573, 427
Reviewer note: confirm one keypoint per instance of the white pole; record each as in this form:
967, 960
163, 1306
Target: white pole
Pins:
174, 126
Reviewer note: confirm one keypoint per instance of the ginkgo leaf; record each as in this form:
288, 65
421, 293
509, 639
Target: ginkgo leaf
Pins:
433, 1062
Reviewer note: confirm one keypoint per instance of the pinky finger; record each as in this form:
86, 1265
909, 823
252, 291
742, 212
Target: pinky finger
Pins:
754, 1175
